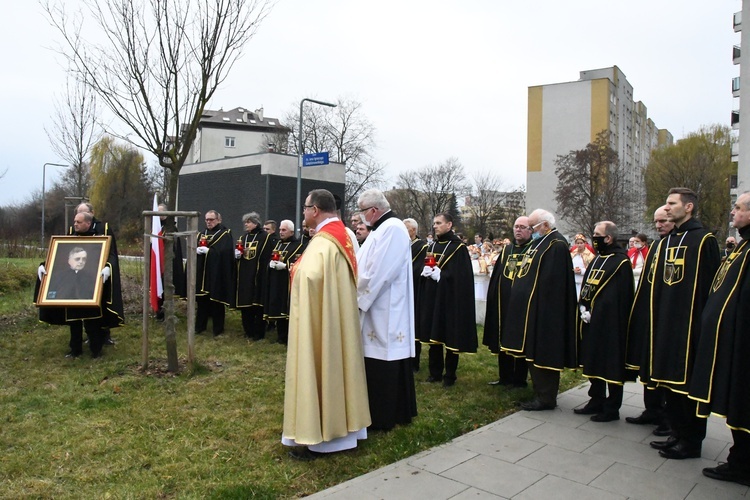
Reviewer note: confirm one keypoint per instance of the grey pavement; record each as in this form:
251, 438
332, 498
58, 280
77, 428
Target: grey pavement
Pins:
552, 455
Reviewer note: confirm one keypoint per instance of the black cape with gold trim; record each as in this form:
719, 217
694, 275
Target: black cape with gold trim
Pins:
542, 326
215, 270
276, 303
498, 293
721, 380
418, 254
447, 315
638, 323
252, 268
607, 293
684, 266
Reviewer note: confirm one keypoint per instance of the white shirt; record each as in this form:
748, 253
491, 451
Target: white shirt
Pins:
385, 293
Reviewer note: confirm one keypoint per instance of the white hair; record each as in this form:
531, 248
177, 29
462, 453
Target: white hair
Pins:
373, 198
411, 223
543, 216
288, 224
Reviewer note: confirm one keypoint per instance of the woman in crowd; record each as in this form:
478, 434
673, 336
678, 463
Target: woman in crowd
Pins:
582, 257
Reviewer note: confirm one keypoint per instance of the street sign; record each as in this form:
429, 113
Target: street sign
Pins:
315, 159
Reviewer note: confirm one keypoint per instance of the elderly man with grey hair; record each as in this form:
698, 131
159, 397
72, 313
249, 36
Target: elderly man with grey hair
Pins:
418, 254
253, 253
386, 310
542, 326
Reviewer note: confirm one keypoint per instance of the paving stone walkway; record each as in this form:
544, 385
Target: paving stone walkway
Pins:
552, 455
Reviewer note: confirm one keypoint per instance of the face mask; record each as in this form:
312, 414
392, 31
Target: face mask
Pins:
599, 243
638, 245
730, 246
535, 236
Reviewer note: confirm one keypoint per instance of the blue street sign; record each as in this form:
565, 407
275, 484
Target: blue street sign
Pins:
315, 159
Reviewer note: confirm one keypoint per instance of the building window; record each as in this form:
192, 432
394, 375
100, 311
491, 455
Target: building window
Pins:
229, 142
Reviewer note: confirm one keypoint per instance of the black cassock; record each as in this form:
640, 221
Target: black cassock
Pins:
215, 269
721, 380
447, 315
252, 268
418, 253
607, 293
276, 304
677, 286
541, 327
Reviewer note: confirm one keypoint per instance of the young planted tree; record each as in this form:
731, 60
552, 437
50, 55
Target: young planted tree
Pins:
155, 64
702, 161
592, 186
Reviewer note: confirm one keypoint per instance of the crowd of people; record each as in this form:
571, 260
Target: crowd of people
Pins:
356, 304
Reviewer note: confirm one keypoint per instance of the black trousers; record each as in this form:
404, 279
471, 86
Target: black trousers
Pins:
93, 331
739, 453
609, 404
438, 364
680, 413
653, 400
252, 322
205, 308
417, 354
282, 329
512, 370
546, 384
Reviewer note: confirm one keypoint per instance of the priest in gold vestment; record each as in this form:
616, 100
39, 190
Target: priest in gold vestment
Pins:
326, 407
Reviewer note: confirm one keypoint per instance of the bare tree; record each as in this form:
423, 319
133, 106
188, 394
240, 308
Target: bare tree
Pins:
73, 131
592, 186
156, 68
485, 201
347, 135
431, 190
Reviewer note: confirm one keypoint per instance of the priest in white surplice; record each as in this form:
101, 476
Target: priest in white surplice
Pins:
386, 309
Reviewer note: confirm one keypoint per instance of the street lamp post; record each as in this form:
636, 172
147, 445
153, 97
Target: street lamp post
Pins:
299, 160
44, 176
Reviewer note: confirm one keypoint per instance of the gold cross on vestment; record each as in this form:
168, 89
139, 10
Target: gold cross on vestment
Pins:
371, 336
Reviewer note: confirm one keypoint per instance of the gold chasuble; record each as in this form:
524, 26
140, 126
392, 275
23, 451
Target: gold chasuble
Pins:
325, 396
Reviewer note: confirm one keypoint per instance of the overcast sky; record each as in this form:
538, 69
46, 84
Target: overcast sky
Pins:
437, 78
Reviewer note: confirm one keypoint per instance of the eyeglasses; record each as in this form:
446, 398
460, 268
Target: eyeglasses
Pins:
308, 206
209, 219
535, 225
521, 227
366, 209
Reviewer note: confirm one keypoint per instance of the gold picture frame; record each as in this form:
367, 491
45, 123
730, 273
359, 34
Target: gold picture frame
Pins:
74, 271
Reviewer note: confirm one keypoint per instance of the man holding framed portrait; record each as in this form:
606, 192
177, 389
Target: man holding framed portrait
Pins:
76, 287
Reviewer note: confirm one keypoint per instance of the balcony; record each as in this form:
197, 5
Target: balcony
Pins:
736, 86
735, 151
736, 52
735, 119
737, 21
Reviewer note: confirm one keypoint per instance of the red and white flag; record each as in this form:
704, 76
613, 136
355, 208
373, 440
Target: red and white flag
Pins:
157, 256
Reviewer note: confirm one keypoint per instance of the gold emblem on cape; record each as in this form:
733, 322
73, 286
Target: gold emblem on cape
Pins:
722, 272
674, 268
251, 249
592, 284
511, 266
525, 265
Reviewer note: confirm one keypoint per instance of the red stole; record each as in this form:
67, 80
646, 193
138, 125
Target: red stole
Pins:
335, 231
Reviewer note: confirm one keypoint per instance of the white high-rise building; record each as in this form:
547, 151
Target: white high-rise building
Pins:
563, 117
741, 115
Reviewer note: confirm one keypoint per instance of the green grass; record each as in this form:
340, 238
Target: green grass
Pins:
89, 428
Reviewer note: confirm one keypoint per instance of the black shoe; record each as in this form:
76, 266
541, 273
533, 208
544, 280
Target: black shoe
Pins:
96, 354
725, 472
304, 454
643, 419
663, 430
216, 334
73, 355
448, 382
109, 341
432, 379
663, 445
605, 417
681, 451
536, 405
520, 385
589, 409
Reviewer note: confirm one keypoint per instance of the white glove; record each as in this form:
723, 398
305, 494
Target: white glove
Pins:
202, 250
105, 274
435, 273
280, 266
272, 264
41, 271
427, 271
237, 254
585, 315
